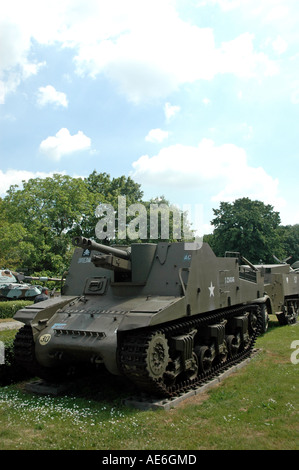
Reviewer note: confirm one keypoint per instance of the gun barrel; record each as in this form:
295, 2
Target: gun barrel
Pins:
92, 245
42, 278
249, 263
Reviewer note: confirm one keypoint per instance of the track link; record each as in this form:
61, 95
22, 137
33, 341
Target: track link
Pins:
24, 349
24, 352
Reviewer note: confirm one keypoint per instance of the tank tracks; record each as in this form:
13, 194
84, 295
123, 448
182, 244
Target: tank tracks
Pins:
133, 354
24, 353
134, 350
24, 348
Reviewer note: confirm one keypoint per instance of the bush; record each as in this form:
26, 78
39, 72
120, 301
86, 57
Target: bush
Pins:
10, 307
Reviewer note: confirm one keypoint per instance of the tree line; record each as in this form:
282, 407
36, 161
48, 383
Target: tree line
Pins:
253, 229
39, 220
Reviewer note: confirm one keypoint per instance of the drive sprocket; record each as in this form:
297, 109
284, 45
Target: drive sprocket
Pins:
157, 355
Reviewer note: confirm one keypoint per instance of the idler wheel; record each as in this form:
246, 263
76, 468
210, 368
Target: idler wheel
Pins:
157, 355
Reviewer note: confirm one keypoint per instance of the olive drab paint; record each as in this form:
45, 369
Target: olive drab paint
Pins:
164, 315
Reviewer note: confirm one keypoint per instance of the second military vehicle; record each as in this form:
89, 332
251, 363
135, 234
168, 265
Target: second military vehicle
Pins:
13, 288
16, 286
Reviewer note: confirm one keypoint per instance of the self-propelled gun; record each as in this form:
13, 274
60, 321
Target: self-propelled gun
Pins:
164, 315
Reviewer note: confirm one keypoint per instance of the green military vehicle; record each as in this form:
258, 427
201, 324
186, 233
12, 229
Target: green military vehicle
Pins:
166, 316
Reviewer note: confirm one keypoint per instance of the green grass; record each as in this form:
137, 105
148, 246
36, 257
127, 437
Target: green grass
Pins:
255, 408
7, 335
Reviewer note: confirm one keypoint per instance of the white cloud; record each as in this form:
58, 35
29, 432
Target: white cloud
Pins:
277, 13
279, 45
144, 47
63, 143
10, 177
15, 45
150, 66
239, 58
217, 168
270, 10
170, 111
156, 135
48, 95
226, 5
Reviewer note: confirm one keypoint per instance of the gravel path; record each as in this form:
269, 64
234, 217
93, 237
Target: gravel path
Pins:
10, 325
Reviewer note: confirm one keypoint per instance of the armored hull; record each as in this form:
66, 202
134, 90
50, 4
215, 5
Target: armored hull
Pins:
165, 316
12, 289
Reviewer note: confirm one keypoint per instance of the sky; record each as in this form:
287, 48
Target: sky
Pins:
195, 100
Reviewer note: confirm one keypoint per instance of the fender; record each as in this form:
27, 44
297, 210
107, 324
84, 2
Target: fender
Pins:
265, 300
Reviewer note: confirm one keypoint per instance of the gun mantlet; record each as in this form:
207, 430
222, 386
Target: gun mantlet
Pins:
112, 258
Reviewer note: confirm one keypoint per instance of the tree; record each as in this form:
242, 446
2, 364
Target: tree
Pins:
13, 245
103, 190
289, 235
49, 210
249, 227
40, 219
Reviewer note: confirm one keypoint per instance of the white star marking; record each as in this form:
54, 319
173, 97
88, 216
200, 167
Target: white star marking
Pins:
211, 289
